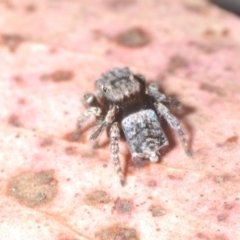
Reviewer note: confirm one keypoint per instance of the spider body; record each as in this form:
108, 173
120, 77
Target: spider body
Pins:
144, 134
124, 102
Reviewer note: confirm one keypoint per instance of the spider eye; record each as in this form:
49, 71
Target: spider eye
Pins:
104, 89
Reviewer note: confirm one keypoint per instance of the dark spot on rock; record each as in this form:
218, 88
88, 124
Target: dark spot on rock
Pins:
222, 217
58, 76
14, 121
212, 33
8, 4
18, 79
46, 142
197, 7
18, 135
220, 237
212, 89
157, 210
233, 139
22, 101
105, 165
123, 206
152, 183
53, 50
88, 154
120, 4
11, 41
226, 32
72, 136
229, 68
97, 197
176, 62
220, 179
202, 236
176, 176
30, 8
63, 236
135, 37
33, 189
228, 206
117, 232
98, 34
61, 75
209, 32
229, 144
201, 46
70, 150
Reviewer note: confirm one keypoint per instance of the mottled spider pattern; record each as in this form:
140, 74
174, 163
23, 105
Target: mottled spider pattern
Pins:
124, 103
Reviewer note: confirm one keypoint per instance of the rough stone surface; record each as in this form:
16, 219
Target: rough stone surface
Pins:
51, 52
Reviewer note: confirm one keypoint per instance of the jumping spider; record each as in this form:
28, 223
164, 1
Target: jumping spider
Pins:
124, 103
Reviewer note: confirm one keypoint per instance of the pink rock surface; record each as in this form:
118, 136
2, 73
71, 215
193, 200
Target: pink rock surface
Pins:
53, 184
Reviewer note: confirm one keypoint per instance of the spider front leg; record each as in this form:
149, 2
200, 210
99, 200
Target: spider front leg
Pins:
90, 100
114, 147
108, 120
153, 91
94, 109
174, 123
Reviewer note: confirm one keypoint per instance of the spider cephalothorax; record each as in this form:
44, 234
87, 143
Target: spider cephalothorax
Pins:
124, 102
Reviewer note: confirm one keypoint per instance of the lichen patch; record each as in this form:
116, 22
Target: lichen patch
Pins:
97, 197
123, 206
11, 41
58, 76
117, 232
157, 210
33, 188
135, 37
73, 136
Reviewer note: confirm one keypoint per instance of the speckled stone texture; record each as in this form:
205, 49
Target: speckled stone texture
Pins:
53, 184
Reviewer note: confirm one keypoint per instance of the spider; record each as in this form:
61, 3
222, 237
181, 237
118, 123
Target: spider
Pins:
125, 104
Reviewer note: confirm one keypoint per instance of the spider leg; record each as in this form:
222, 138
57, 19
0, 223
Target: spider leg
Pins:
109, 118
153, 91
174, 123
90, 100
114, 147
93, 109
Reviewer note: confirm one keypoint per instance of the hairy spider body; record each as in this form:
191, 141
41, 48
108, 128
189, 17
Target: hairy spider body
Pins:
144, 134
124, 102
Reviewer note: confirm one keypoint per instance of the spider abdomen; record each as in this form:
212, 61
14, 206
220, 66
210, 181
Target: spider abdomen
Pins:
144, 134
